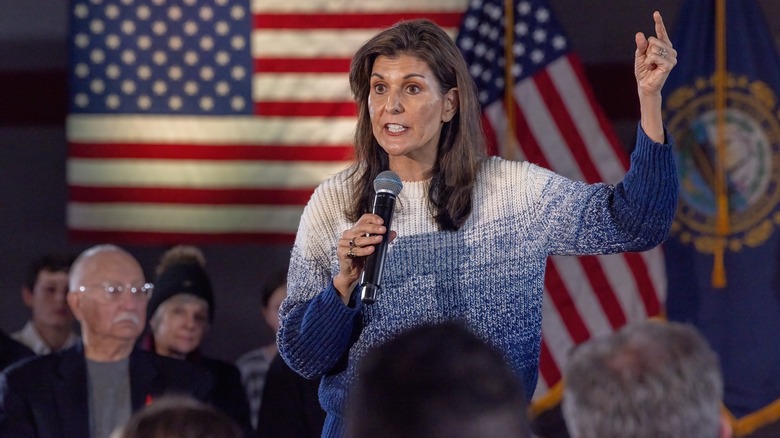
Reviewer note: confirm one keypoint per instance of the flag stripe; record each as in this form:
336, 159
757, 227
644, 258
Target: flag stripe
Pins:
529, 145
174, 238
541, 125
582, 293
600, 153
491, 138
312, 109
647, 292
547, 365
301, 87
167, 151
602, 289
624, 285
235, 130
341, 21
281, 43
172, 218
165, 195
565, 126
198, 174
304, 65
611, 154
367, 6
562, 301
654, 262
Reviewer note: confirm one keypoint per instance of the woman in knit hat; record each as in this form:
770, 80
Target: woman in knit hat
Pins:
180, 313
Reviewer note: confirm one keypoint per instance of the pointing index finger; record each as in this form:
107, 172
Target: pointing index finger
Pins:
660, 29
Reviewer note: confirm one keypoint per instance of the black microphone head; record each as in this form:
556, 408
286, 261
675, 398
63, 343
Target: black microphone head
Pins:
388, 181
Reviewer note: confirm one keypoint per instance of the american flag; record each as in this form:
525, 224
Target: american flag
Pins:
212, 121
559, 125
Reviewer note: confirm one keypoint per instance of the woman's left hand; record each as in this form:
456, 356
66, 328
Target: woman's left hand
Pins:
654, 59
354, 246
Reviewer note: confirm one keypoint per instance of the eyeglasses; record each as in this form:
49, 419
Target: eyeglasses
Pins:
114, 291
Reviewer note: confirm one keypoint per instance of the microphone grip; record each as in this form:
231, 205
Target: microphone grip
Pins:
384, 205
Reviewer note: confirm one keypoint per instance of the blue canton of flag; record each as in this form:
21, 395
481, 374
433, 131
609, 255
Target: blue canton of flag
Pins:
538, 40
151, 57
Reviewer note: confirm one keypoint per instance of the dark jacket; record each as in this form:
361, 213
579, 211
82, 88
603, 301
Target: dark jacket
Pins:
290, 406
46, 397
228, 394
12, 351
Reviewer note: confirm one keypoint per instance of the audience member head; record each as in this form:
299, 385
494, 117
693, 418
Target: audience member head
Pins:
182, 306
272, 296
649, 379
436, 381
44, 291
179, 417
108, 295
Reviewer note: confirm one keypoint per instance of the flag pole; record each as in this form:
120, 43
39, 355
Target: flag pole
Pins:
509, 82
721, 195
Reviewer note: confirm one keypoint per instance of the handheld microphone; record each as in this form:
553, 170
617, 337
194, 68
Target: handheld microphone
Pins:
387, 185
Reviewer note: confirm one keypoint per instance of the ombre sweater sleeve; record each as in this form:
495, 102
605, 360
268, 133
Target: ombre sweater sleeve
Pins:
634, 215
316, 327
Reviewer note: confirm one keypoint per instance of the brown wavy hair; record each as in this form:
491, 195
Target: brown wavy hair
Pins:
461, 144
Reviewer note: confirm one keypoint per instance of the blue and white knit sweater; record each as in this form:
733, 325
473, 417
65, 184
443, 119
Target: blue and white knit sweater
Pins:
489, 274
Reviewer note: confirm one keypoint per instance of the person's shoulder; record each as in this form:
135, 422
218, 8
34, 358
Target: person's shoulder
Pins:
35, 370
498, 164
12, 351
500, 169
30, 366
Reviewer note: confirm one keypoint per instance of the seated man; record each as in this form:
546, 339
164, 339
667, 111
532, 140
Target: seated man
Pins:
50, 327
93, 387
436, 381
649, 379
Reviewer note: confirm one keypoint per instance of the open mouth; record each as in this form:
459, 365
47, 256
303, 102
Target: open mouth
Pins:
395, 128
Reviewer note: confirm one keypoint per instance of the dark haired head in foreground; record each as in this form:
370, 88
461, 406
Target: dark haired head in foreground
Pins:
179, 417
436, 381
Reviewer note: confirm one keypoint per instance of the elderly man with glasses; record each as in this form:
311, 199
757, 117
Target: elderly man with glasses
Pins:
93, 387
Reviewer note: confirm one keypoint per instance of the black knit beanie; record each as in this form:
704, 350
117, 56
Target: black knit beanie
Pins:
183, 278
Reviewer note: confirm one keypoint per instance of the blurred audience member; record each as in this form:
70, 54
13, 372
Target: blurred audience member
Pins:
179, 417
436, 381
51, 325
91, 388
254, 364
180, 313
649, 379
12, 351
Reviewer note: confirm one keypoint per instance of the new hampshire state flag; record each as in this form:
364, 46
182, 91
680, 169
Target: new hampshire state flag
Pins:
722, 105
